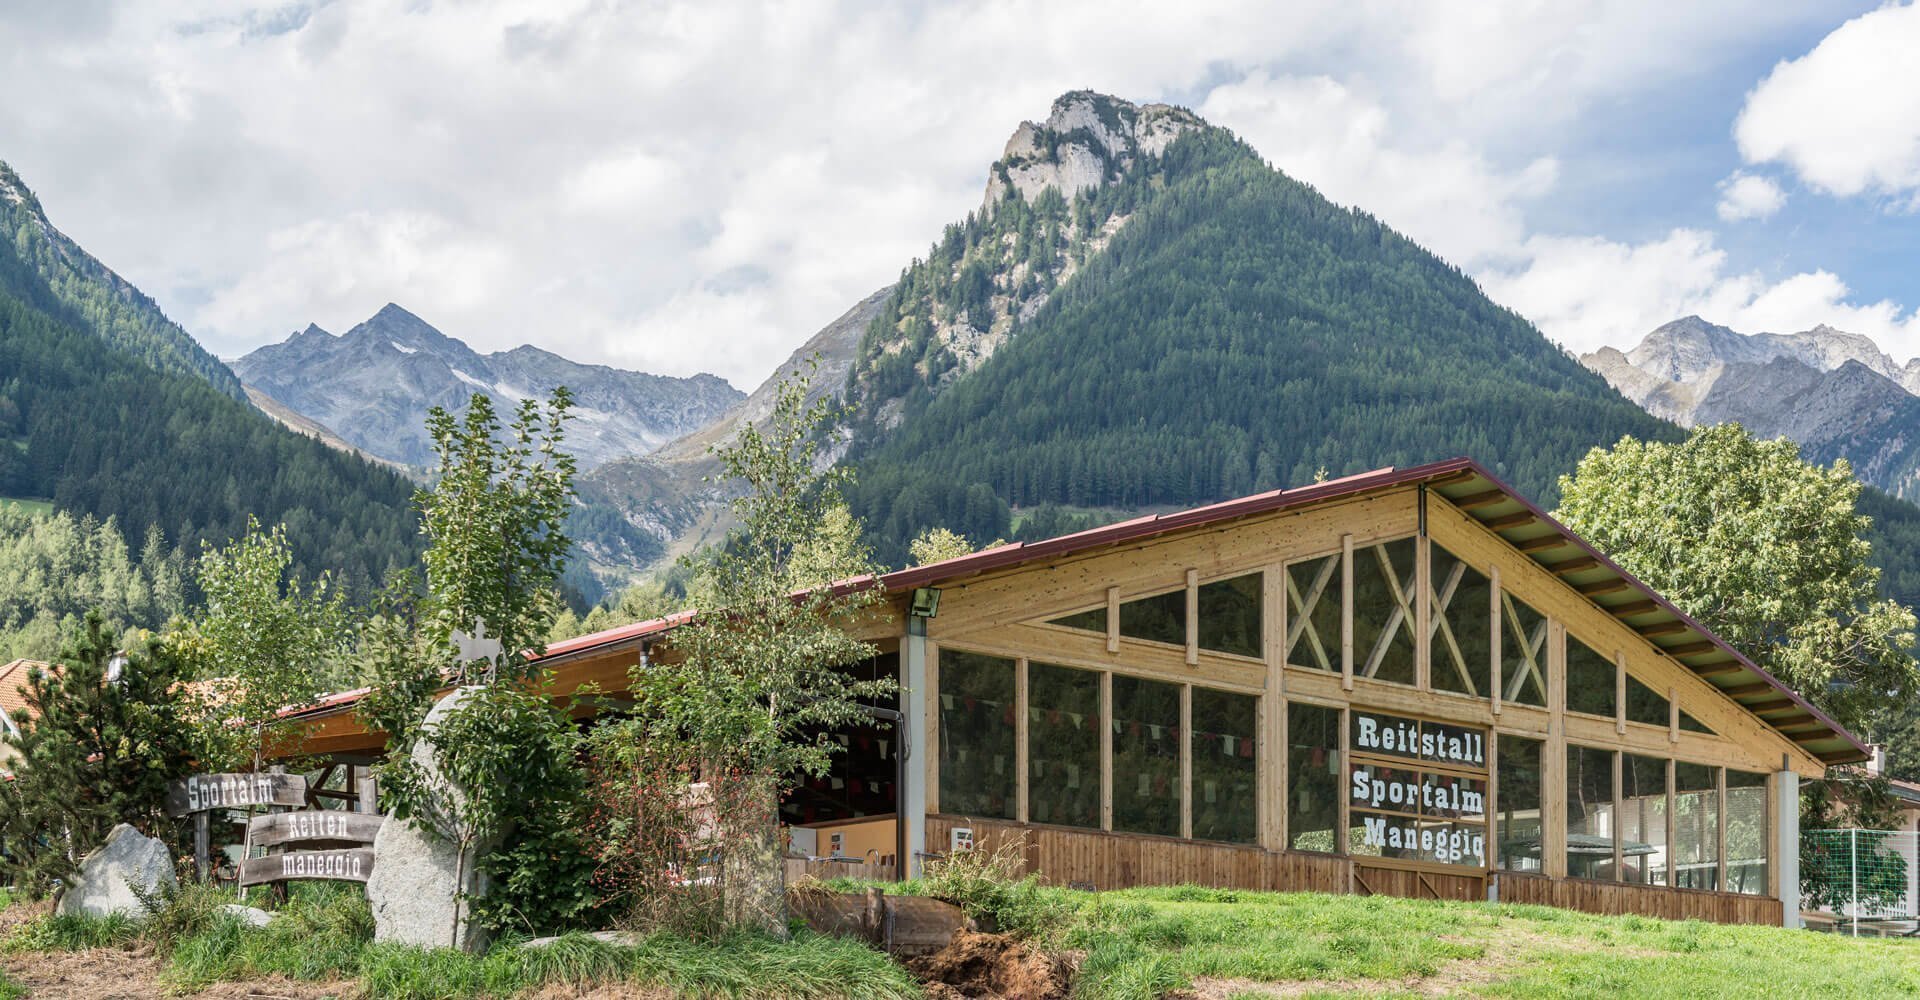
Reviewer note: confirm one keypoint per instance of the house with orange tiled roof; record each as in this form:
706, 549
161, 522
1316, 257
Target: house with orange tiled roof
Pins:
13, 700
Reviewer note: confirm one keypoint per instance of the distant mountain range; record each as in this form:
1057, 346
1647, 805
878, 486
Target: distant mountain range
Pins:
1836, 394
373, 385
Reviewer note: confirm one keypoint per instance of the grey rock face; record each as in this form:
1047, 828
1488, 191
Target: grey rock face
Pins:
374, 384
416, 888
1835, 394
1087, 141
109, 875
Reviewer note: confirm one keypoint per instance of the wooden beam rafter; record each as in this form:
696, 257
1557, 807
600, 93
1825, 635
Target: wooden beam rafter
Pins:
1664, 628
1690, 649
1473, 500
1599, 587
1542, 543
1573, 565
1632, 608
1512, 520
1743, 690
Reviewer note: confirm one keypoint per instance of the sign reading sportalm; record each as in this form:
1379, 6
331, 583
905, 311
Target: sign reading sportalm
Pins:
1437, 742
202, 792
353, 864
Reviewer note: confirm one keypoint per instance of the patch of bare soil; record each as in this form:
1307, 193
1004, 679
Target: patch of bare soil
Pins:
115, 974
606, 991
992, 967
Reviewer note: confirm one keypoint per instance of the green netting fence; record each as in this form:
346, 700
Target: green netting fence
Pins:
1861, 879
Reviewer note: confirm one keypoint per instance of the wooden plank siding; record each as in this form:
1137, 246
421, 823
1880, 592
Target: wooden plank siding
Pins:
1620, 898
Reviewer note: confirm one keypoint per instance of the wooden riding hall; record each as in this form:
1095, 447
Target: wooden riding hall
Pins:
1409, 682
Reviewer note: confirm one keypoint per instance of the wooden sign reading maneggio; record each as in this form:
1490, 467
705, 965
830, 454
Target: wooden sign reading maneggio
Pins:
327, 826
353, 864
202, 792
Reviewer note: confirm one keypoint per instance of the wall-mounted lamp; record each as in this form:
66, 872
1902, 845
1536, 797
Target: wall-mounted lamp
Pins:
926, 602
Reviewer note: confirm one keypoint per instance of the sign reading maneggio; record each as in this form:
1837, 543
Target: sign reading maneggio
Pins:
1403, 806
201, 792
347, 865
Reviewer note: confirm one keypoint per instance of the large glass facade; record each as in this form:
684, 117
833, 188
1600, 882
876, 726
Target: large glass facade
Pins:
978, 774
1383, 593
1590, 680
1313, 777
1313, 613
1518, 791
1460, 625
1643, 819
1696, 826
1146, 756
1160, 618
1746, 832
1230, 616
1590, 819
1225, 766
1063, 745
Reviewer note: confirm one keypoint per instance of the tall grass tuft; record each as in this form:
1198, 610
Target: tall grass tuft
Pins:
991, 888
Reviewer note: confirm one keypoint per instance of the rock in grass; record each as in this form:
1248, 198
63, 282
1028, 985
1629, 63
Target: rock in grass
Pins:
249, 915
109, 876
618, 939
416, 887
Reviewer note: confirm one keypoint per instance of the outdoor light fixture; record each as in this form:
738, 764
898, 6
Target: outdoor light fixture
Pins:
926, 602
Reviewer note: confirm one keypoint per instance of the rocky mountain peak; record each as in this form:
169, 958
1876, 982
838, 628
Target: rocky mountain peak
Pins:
1088, 140
14, 191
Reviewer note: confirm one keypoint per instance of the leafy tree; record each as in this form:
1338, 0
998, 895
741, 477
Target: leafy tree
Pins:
757, 675
1766, 550
264, 641
937, 545
1846, 857
495, 521
102, 737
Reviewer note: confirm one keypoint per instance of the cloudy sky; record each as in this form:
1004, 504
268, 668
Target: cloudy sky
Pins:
699, 186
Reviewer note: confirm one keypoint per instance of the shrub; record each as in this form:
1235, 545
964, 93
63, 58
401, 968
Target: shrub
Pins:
990, 887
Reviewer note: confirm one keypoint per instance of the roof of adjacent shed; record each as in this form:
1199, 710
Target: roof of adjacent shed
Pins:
1462, 482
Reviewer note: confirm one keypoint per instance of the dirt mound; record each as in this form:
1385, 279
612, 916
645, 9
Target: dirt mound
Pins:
992, 967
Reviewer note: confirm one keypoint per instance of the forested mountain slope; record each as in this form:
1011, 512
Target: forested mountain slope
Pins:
1235, 332
98, 430
99, 301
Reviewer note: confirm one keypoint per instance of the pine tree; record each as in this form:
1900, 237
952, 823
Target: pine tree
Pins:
102, 738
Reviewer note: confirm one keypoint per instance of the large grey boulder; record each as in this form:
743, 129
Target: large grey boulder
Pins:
109, 875
418, 878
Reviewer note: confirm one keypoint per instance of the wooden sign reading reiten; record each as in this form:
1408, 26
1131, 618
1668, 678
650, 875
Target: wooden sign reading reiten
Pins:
332, 827
349, 865
202, 792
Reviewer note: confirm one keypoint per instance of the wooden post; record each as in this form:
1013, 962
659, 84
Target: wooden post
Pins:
1193, 617
1619, 692
1673, 870
1673, 714
1619, 814
1272, 757
1021, 757
203, 843
1346, 612
1113, 619
1553, 769
369, 793
1720, 860
1186, 761
1493, 577
1106, 750
1422, 610
1341, 796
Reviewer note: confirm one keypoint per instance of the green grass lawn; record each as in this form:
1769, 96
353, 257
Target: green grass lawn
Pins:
40, 507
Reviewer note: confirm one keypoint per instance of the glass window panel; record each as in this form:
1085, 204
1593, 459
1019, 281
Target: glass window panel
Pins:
1230, 615
1460, 643
1693, 725
1146, 756
1590, 680
1092, 620
1590, 827
1313, 613
1225, 766
1063, 745
977, 763
1383, 591
1644, 704
1696, 826
1520, 824
1523, 653
1643, 819
1160, 618
1313, 777
1746, 832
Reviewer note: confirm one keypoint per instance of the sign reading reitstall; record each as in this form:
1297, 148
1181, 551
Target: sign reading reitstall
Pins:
202, 792
1417, 790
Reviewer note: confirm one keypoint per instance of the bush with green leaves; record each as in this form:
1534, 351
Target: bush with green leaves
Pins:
993, 888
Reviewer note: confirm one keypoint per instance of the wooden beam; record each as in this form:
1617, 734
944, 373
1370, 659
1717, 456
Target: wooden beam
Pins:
1598, 587
1512, 520
1451, 478
1691, 649
1742, 690
1663, 628
1543, 543
1473, 500
1793, 720
1771, 706
1822, 733
1722, 669
1632, 608
1574, 565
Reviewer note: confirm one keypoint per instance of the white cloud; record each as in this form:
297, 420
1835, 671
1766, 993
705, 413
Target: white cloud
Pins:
1749, 196
1845, 116
1588, 292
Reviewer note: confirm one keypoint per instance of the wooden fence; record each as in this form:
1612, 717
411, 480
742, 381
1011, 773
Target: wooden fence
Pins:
1100, 860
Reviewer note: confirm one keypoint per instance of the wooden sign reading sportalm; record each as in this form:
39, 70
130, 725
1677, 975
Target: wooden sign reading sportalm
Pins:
202, 792
353, 864
325, 826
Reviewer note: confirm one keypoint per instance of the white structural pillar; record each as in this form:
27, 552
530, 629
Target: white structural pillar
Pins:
1786, 853
912, 799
